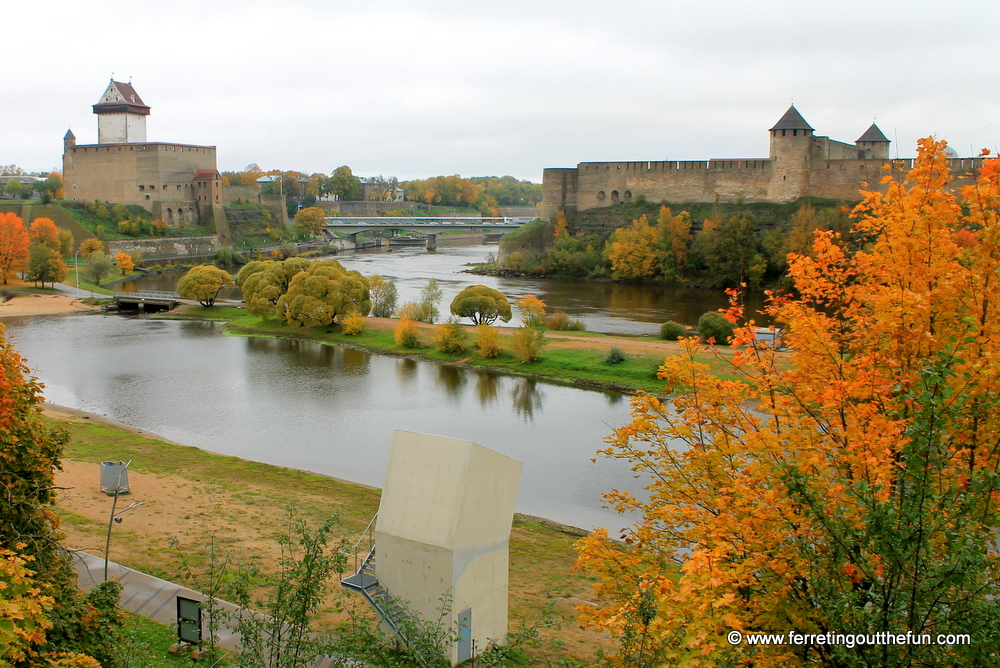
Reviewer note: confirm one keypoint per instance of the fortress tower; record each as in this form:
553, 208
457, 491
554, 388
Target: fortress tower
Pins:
121, 115
178, 183
791, 141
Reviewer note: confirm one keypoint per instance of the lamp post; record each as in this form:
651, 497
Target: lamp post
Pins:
116, 518
76, 263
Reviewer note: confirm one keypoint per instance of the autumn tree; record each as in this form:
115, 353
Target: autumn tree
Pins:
91, 245
45, 265
44, 231
343, 184
65, 242
42, 612
124, 262
532, 310
383, 294
309, 222
203, 283
14, 242
264, 282
481, 304
634, 252
675, 240
848, 486
559, 230
321, 293
98, 267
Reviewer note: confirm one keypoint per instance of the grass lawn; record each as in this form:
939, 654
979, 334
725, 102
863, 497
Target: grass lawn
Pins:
191, 494
576, 358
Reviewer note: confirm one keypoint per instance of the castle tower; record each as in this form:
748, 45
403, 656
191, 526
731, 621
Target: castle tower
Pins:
791, 141
121, 115
874, 144
69, 140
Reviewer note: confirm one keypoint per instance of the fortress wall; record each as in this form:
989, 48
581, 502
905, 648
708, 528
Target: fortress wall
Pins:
680, 181
163, 247
559, 191
114, 172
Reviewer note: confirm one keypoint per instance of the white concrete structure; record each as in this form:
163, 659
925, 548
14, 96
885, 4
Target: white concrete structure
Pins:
443, 529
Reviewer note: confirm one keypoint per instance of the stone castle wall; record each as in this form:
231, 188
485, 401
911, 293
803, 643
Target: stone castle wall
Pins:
152, 175
796, 172
166, 248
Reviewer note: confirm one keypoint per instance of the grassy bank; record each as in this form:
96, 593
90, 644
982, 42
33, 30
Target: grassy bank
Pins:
576, 358
191, 496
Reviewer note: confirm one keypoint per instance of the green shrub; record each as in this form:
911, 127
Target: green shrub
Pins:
615, 356
352, 325
713, 325
527, 343
406, 334
488, 341
671, 331
449, 337
559, 322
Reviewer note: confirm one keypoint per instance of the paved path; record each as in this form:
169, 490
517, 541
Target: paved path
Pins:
156, 599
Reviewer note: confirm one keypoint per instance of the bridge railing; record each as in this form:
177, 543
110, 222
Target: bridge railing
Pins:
408, 221
147, 294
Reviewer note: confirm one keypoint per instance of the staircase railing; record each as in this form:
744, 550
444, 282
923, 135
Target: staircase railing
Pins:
364, 545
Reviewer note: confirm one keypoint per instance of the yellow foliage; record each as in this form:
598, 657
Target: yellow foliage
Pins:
124, 262
837, 486
89, 246
352, 325
532, 309
527, 343
488, 341
634, 251
406, 334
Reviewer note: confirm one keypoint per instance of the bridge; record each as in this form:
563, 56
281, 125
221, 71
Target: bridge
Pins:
156, 300
429, 226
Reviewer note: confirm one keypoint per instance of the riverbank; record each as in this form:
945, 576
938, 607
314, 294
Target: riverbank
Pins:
574, 358
192, 497
25, 300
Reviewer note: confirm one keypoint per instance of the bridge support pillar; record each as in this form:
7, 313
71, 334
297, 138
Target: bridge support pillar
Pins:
354, 239
432, 242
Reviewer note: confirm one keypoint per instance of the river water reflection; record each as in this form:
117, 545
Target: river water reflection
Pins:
604, 306
324, 408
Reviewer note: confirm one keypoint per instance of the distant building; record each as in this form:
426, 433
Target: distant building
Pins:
800, 164
178, 183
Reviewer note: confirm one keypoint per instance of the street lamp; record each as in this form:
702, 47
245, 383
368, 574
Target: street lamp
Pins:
116, 518
76, 262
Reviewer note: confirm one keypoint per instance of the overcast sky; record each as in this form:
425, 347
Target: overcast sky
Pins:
416, 89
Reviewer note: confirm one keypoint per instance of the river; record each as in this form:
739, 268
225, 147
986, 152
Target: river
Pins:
332, 410
324, 408
604, 306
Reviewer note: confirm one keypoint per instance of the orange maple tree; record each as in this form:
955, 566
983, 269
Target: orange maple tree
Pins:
14, 242
45, 232
847, 486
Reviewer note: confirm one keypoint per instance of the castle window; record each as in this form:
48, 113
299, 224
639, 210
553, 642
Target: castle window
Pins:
600, 196
74, 186
628, 195
164, 186
141, 188
178, 186
147, 196
152, 187
783, 133
614, 196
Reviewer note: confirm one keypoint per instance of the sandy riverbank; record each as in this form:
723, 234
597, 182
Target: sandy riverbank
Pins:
36, 304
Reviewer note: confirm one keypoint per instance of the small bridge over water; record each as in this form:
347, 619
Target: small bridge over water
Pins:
143, 300
429, 226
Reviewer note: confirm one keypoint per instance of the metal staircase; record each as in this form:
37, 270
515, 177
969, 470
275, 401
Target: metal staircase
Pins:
389, 608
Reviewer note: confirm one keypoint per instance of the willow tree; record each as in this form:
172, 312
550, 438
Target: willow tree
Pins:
264, 282
321, 293
847, 486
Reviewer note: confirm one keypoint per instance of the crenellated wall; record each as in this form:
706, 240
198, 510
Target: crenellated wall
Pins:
799, 165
